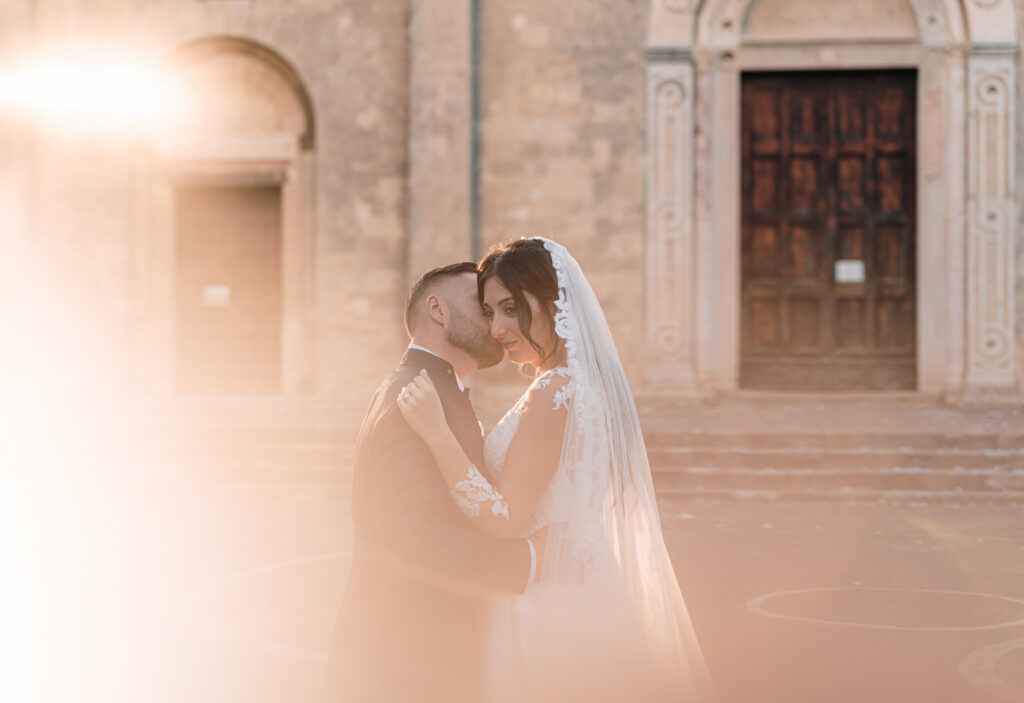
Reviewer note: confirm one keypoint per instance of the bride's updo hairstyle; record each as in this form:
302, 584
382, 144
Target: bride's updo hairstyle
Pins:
523, 266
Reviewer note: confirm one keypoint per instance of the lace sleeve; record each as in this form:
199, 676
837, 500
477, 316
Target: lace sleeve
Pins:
474, 490
564, 392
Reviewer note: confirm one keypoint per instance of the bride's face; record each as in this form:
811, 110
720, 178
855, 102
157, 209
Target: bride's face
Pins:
500, 309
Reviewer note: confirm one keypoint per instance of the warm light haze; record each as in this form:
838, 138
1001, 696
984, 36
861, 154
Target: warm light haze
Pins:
91, 94
646, 351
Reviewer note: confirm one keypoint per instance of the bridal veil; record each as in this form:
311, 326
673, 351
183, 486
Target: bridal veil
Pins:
609, 532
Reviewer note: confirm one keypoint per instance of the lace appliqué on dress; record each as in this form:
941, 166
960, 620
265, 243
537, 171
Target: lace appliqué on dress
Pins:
498, 441
473, 490
563, 394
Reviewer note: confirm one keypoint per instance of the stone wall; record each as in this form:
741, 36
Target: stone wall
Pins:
563, 141
353, 59
563, 153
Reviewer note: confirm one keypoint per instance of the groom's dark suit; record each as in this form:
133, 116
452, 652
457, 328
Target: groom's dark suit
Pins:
410, 628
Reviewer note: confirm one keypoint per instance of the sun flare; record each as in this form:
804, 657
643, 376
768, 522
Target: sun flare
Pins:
96, 95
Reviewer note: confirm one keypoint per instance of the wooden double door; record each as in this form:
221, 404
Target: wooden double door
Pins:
828, 231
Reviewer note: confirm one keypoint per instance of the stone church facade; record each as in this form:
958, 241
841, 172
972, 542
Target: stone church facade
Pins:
964, 59
766, 194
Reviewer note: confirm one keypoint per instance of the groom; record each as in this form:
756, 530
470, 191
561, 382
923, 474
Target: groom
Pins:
411, 623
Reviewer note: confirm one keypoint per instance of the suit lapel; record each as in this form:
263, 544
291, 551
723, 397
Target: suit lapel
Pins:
458, 411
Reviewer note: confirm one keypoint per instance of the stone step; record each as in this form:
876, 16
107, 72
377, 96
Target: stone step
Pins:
657, 435
891, 497
295, 457
204, 449
862, 457
745, 463
955, 468
893, 479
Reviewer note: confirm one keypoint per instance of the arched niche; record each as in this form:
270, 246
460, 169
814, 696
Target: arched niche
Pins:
246, 130
241, 87
965, 55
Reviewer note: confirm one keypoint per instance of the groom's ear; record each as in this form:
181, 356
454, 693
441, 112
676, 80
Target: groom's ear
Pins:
435, 309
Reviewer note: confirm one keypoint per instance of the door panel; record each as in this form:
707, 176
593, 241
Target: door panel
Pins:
828, 176
229, 287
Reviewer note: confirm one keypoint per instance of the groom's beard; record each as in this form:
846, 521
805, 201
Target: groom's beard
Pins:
474, 340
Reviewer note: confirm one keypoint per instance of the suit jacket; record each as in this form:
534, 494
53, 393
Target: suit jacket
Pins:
410, 626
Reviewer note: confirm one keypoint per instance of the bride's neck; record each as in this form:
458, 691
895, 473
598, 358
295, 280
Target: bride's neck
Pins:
554, 361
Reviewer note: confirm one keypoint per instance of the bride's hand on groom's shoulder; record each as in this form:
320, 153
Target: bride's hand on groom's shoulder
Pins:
420, 405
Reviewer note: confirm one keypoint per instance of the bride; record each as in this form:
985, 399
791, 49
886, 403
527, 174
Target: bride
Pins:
604, 619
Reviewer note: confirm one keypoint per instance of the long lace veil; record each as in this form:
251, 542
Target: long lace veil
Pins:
611, 498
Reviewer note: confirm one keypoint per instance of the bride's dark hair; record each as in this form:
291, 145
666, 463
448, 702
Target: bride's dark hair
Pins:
523, 265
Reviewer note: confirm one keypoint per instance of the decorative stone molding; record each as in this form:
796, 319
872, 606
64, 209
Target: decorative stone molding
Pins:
720, 25
954, 198
817, 21
670, 247
991, 22
939, 22
670, 24
990, 227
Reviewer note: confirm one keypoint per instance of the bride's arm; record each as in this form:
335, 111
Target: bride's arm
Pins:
504, 509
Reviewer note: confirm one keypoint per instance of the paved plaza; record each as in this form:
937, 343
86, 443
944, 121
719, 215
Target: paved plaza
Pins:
201, 591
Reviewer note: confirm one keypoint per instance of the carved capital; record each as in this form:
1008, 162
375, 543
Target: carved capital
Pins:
991, 22
670, 24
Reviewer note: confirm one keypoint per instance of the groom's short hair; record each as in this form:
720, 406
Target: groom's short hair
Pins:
422, 287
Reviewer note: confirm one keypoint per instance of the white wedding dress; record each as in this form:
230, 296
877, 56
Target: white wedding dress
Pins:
604, 620
577, 641
499, 439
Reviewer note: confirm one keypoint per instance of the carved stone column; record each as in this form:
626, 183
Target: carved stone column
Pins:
991, 275
440, 134
670, 250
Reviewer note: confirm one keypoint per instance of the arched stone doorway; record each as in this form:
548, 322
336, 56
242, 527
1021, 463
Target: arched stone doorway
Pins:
226, 238
965, 58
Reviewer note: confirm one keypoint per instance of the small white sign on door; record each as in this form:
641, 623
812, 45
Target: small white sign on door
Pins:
216, 296
849, 271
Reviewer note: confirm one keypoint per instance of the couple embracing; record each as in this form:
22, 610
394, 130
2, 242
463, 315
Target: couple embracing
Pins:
528, 566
